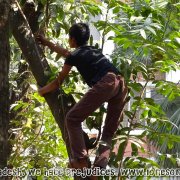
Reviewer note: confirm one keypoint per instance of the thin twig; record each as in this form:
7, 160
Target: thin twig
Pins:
47, 14
106, 23
128, 134
166, 26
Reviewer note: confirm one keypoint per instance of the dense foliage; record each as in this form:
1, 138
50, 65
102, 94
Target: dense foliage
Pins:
147, 38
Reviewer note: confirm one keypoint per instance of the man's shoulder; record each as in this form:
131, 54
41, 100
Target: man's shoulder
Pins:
85, 51
80, 50
75, 52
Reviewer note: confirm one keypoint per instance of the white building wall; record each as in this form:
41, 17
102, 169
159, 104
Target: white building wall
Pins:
173, 76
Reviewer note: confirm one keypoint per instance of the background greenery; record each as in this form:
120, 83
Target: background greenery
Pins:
147, 39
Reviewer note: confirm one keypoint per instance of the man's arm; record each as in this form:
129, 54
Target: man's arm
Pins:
57, 82
54, 47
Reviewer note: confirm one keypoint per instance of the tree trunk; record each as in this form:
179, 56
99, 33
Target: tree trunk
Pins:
25, 39
4, 82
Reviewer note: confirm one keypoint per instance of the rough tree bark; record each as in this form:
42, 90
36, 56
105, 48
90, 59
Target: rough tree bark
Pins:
25, 39
4, 82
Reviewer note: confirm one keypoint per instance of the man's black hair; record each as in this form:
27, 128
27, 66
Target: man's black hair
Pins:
80, 32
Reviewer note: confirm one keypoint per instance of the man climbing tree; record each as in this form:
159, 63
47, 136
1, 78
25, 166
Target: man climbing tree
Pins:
107, 85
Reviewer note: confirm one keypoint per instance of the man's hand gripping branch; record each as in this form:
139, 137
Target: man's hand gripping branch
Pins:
65, 70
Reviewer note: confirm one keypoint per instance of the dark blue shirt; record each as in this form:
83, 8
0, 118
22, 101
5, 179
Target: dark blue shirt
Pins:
91, 64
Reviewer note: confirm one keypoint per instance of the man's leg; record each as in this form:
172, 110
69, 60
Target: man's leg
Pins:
114, 111
96, 96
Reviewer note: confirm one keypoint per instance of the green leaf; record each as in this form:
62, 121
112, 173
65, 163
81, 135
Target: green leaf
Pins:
134, 149
34, 87
162, 49
153, 163
120, 137
116, 10
178, 40
144, 114
37, 109
128, 114
151, 29
173, 160
136, 86
137, 19
156, 25
120, 151
170, 144
143, 33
